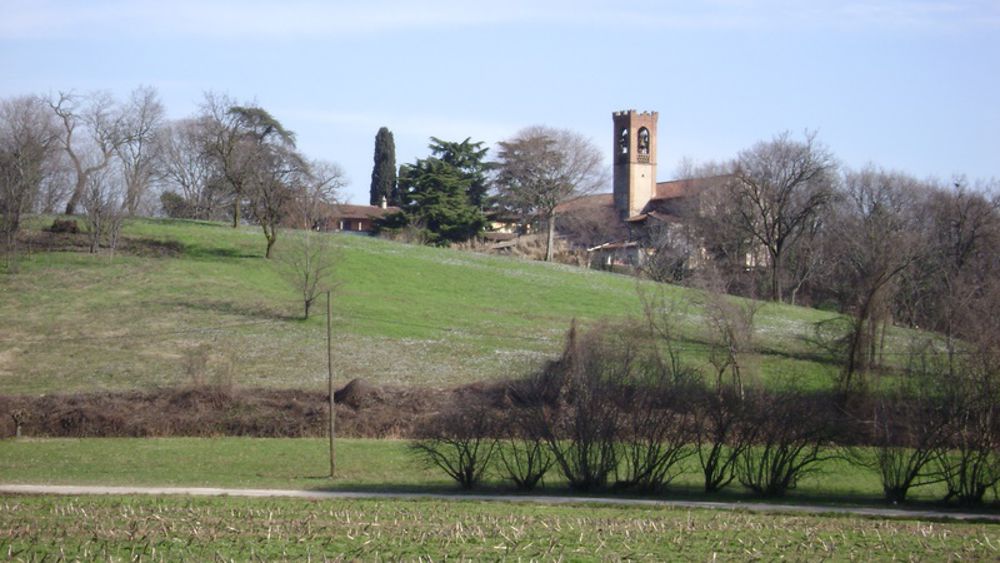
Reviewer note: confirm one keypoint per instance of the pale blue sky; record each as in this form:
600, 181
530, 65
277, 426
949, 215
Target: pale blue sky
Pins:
911, 85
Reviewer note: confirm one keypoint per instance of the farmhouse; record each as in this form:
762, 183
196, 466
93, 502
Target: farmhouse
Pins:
355, 218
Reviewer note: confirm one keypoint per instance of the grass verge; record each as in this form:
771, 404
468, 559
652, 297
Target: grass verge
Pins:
303, 463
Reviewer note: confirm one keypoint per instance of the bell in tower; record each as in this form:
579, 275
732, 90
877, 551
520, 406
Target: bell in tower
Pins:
634, 160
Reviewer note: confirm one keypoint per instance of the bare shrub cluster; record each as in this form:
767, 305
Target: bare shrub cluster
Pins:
618, 411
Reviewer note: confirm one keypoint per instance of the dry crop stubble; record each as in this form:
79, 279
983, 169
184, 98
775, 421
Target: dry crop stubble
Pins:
203, 528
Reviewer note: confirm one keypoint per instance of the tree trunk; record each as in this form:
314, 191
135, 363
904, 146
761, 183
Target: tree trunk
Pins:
776, 277
270, 243
551, 238
236, 214
857, 347
10, 249
131, 202
74, 198
271, 234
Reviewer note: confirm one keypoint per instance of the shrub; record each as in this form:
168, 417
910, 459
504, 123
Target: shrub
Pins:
904, 433
175, 206
523, 457
582, 428
64, 226
721, 435
460, 442
970, 461
788, 432
656, 432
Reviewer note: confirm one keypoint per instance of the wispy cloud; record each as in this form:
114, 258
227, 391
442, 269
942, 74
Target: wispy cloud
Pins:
814, 14
302, 18
247, 18
420, 126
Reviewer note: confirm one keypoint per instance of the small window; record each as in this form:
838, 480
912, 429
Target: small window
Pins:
623, 141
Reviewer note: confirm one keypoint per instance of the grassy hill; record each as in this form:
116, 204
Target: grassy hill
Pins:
195, 299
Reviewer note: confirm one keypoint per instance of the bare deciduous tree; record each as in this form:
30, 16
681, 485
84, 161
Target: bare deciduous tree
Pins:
257, 159
541, 167
281, 174
656, 435
721, 436
28, 140
941, 290
875, 230
581, 429
237, 140
730, 323
523, 455
92, 131
105, 212
141, 120
186, 166
970, 462
307, 261
779, 185
320, 190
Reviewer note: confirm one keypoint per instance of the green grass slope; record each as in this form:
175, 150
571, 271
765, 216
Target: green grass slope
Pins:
404, 314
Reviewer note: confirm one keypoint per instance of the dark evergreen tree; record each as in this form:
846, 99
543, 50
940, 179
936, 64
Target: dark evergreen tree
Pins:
435, 199
469, 159
384, 170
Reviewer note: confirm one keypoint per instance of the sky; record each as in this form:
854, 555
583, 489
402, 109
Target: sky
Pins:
907, 85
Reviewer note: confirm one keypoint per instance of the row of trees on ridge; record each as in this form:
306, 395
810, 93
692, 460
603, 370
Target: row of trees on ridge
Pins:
115, 158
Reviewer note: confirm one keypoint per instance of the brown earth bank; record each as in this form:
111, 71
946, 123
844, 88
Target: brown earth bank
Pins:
497, 408
363, 411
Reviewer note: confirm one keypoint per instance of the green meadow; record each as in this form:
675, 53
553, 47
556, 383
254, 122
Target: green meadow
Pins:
403, 314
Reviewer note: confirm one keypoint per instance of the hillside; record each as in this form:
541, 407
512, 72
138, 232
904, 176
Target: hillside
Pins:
193, 300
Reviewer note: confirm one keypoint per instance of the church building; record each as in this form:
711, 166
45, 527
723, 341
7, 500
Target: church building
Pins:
638, 201
637, 195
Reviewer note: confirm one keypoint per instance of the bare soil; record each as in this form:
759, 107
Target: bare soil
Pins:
47, 241
364, 410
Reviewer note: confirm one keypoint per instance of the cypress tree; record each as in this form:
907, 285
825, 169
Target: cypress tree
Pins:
384, 170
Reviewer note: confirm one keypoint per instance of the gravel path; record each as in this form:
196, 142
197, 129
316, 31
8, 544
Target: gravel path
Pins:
540, 499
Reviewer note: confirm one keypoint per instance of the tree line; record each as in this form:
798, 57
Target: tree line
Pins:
109, 158
118, 158
783, 221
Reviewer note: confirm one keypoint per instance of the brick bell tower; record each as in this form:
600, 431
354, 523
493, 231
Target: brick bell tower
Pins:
634, 160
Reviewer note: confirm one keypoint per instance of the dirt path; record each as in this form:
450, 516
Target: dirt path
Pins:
540, 499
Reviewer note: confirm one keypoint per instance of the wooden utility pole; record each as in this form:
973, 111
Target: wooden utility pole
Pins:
329, 370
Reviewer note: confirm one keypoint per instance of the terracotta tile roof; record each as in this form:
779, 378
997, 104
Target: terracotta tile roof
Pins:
586, 202
684, 188
348, 211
